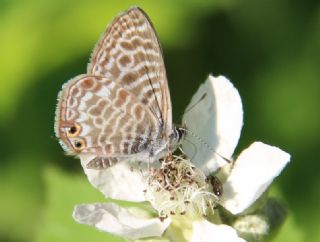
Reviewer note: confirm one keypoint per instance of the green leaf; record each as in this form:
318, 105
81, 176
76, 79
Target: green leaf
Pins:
63, 192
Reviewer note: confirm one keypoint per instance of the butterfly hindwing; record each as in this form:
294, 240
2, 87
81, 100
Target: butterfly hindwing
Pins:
110, 121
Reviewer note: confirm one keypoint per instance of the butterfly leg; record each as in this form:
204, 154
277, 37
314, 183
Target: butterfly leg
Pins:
99, 163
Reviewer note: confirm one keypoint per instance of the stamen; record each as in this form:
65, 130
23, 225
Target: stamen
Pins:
178, 187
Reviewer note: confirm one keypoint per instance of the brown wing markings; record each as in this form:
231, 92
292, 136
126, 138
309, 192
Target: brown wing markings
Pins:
165, 89
122, 30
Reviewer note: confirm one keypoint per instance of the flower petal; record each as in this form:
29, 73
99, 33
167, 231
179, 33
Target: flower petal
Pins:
215, 116
205, 231
122, 181
253, 171
111, 218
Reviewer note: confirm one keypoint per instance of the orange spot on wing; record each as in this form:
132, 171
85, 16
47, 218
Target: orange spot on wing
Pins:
87, 83
122, 97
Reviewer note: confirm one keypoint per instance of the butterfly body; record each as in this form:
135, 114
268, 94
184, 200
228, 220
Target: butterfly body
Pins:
121, 108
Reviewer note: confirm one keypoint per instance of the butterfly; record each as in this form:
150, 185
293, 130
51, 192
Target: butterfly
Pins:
121, 108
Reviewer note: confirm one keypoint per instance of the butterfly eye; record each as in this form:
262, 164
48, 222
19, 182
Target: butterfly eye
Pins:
74, 130
79, 144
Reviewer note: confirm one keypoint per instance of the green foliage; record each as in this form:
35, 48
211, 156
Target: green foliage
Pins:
63, 191
269, 49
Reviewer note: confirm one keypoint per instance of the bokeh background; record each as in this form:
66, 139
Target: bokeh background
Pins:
269, 49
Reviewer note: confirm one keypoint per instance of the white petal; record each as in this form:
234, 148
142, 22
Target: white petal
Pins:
111, 218
117, 182
215, 116
253, 171
204, 231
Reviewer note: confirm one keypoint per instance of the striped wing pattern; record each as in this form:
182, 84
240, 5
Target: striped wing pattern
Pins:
122, 106
130, 54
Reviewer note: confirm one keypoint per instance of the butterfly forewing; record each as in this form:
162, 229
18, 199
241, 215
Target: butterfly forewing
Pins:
130, 54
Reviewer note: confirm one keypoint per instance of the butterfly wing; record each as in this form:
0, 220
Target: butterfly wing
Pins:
130, 54
97, 116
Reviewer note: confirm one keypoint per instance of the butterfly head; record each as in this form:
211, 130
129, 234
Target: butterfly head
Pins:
178, 133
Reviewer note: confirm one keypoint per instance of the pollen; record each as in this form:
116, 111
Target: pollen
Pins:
178, 187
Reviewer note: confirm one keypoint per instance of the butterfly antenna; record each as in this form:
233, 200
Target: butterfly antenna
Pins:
195, 104
205, 144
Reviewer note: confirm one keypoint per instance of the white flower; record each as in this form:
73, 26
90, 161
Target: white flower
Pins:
214, 120
205, 231
217, 104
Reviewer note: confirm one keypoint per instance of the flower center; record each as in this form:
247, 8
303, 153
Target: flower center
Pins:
178, 187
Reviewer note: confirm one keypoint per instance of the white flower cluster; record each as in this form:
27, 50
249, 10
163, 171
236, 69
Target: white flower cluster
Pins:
179, 191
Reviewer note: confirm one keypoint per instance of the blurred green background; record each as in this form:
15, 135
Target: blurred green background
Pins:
269, 49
